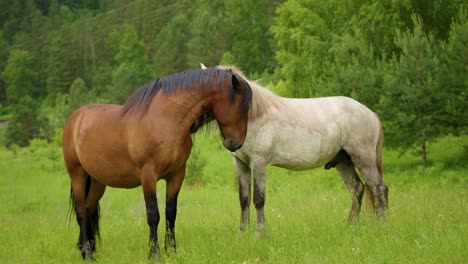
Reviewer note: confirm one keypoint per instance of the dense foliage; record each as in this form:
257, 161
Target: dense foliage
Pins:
407, 60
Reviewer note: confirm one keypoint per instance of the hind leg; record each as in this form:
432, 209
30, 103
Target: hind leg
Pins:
355, 187
378, 189
366, 163
78, 181
244, 176
95, 193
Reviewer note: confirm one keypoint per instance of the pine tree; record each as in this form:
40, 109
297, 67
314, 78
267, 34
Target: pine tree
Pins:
131, 70
20, 79
19, 76
302, 35
252, 42
171, 47
209, 39
452, 76
353, 71
412, 95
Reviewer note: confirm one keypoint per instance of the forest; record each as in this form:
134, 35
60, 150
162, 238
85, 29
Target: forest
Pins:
407, 60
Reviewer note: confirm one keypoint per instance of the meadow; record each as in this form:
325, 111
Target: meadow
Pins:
306, 213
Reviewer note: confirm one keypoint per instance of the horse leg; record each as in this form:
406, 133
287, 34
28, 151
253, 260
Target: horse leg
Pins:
80, 186
374, 181
172, 191
244, 176
259, 171
148, 180
96, 191
355, 186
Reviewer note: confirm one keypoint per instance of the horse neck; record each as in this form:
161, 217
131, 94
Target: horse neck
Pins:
191, 107
263, 101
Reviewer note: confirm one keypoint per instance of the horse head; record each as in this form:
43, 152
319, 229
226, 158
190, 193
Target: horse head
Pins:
231, 112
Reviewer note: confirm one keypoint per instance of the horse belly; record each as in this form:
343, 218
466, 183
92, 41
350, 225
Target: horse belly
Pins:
297, 149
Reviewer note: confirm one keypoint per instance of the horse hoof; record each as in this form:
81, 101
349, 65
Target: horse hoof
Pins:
154, 256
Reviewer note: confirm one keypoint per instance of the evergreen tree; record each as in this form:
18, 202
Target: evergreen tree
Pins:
252, 42
19, 76
302, 35
24, 124
378, 21
131, 52
412, 95
78, 95
3, 62
209, 40
62, 61
132, 70
353, 71
171, 49
22, 98
452, 75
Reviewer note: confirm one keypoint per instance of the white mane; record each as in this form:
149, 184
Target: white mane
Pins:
263, 100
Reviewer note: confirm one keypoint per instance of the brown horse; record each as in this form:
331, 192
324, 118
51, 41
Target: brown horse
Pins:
146, 140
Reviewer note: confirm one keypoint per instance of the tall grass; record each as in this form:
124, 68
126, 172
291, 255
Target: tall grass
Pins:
306, 214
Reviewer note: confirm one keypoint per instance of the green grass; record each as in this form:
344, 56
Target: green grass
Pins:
306, 214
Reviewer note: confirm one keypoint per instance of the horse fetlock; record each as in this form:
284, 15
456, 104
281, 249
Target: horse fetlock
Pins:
87, 251
154, 251
170, 241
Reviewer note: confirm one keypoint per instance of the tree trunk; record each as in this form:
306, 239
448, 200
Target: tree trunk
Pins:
424, 158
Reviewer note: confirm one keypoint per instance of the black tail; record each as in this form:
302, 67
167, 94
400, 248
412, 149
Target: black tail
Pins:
94, 216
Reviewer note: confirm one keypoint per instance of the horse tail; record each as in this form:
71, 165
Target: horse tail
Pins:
95, 215
370, 199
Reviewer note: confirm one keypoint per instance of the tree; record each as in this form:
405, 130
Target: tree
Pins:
24, 124
378, 22
209, 39
19, 76
302, 34
131, 52
171, 49
412, 97
252, 43
78, 95
353, 71
3, 61
20, 79
132, 70
452, 76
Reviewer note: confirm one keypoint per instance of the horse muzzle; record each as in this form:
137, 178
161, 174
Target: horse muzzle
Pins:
231, 145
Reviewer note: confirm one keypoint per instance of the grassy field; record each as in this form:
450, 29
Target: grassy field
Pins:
306, 214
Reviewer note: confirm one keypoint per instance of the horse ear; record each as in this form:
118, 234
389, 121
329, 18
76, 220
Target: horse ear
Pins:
236, 84
203, 67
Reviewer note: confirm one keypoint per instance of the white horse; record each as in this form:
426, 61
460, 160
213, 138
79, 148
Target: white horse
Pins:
301, 134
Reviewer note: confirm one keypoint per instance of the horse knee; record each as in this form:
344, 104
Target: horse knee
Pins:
244, 201
259, 199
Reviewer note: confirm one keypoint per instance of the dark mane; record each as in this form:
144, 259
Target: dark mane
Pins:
205, 118
204, 79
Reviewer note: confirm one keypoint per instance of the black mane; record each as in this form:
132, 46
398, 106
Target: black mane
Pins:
203, 119
204, 79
